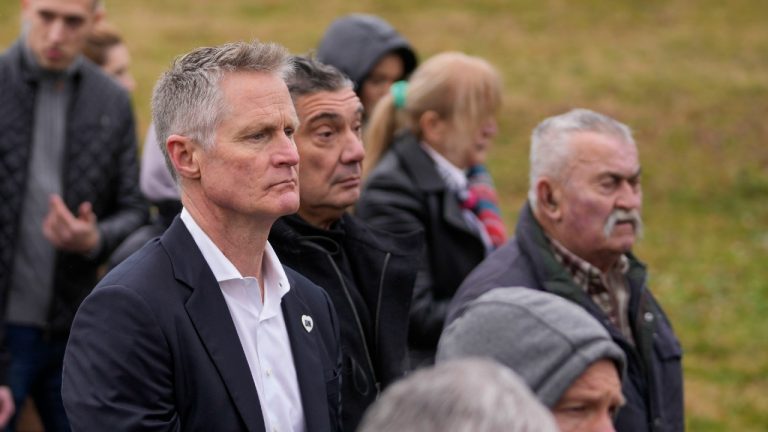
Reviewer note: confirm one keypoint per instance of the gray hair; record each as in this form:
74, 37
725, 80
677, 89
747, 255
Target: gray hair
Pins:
550, 141
311, 76
467, 395
187, 99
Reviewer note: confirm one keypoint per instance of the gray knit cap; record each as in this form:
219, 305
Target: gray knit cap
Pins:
549, 341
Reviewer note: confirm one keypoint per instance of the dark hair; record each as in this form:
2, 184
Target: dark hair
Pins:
310, 76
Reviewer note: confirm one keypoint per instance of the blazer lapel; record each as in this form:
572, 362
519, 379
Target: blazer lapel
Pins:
306, 358
210, 316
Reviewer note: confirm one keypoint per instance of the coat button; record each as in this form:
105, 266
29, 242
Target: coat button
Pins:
648, 317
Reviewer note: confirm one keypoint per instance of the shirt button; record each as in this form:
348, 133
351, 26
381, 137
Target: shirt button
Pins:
648, 317
269, 372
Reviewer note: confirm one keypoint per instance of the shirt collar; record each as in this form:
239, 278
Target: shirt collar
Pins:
582, 271
276, 283
454, 177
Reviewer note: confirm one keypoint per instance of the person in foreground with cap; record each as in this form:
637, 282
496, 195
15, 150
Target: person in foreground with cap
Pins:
564, 355
472, 394
574, 238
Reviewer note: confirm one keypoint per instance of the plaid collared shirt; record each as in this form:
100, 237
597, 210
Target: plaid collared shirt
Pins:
608, 290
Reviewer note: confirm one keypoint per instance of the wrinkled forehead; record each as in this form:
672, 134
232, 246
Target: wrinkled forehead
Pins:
343, 103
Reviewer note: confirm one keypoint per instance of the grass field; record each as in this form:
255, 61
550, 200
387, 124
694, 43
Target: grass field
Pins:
690, 77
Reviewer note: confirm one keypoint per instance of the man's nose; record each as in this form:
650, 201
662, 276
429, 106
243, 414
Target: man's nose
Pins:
604, 423
353, 152
57, 31
287, 154
630, 196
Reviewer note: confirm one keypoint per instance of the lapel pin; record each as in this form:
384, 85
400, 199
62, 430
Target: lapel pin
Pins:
307, 322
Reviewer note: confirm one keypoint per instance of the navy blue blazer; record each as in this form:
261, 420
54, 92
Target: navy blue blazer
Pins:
154, 348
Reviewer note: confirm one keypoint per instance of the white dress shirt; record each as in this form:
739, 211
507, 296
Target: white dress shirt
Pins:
261, 329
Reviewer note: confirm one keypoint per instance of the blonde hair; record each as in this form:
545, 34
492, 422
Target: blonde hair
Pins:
461, 88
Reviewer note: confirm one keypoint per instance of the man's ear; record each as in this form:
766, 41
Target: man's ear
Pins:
548, 198
184, 154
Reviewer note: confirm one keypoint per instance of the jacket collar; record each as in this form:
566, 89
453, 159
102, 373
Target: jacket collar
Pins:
556, 279
289, 232
417, 162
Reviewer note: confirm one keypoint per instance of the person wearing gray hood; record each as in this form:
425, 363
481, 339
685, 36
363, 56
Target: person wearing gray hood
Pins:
566, 357
370, 52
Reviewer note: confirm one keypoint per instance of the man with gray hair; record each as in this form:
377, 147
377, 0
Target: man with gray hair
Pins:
465, 395
203, 328
564, 355
574, 239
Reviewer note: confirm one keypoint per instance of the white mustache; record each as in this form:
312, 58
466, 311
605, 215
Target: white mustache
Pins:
617, 216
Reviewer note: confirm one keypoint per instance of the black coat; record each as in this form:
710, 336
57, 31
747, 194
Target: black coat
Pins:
654, 385
406, 193
100, 167
154, 347
369, 276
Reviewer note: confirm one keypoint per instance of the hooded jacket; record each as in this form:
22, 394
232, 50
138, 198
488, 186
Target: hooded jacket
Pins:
355, 43
369, 276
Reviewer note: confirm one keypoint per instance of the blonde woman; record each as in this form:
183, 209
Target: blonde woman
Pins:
422, 139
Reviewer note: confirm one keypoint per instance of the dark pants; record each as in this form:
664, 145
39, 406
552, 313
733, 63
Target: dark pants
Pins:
35, 371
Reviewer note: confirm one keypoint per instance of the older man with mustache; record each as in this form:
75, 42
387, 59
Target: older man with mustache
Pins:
574, 239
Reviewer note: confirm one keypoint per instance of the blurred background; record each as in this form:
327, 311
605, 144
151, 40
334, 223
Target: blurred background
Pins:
691, 79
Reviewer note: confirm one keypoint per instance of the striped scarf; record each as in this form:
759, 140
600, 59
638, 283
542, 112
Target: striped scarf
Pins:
484, 203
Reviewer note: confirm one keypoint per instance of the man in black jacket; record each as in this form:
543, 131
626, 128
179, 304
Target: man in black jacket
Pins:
368, 274
574, 239
69, 192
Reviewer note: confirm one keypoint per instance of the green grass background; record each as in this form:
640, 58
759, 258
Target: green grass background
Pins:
690, 77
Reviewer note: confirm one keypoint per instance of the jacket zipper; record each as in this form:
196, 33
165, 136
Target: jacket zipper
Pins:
357, 321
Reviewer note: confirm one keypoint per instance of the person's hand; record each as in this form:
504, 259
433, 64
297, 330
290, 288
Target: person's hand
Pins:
67, 232
6, 405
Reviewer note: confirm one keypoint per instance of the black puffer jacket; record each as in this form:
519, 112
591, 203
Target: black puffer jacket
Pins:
654, 385
369, 276
100, 167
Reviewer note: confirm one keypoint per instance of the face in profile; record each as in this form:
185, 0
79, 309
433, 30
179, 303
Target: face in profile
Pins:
592, 401
117, 66
602, 180
465, 146
251, 169
388, 70
56, 30
331, 150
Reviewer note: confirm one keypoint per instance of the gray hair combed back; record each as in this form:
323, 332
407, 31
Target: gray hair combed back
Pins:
187, 98
466, 395
549, 141
311, 76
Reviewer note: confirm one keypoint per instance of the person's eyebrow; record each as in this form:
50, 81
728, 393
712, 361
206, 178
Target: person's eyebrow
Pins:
323, 116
